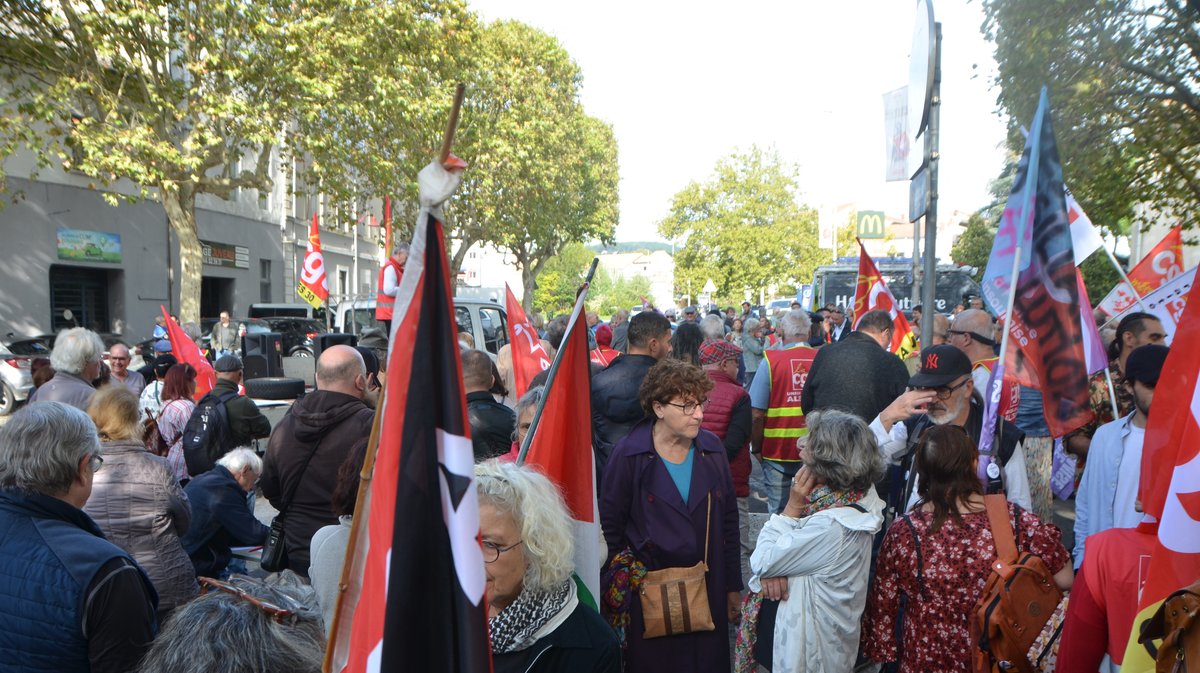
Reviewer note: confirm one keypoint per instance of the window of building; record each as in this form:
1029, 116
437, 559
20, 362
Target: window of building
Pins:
264, 280
82, 291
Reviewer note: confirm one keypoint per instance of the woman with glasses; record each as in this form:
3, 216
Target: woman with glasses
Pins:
536, 620
667, 501
178, 393
137, 501
938, 556
815, 556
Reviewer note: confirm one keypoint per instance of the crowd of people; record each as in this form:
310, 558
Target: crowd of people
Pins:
124, 498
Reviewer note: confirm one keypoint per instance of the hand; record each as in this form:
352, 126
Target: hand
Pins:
802, 486
907, 405
775, 588
735, 607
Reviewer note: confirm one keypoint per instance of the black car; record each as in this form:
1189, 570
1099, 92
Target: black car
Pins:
298, 334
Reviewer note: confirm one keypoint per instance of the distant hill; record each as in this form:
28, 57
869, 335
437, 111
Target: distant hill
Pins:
632, 246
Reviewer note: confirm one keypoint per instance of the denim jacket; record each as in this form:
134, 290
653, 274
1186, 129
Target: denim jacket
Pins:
1097, 493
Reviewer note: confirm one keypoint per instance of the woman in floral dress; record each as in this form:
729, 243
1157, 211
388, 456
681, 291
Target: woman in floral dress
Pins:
938, 556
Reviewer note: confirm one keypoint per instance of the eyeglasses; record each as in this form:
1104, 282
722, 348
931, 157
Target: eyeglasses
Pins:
277, 613
96, 462
944, 392
688, 408
492, 551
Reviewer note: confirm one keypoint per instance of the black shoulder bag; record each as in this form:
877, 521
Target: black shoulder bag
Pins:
274, 552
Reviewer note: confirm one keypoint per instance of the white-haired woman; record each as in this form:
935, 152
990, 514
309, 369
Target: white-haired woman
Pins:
536, 621
815, 557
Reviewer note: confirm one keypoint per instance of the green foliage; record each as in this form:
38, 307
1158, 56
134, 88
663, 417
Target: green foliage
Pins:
1122, 77
607, 294
743, 228
1099, 276
974, 246
559, 279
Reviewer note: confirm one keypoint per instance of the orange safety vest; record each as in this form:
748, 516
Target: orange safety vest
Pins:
384, 303
787, 371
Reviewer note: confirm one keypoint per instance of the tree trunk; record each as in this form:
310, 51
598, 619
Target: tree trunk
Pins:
529, 283
180, 204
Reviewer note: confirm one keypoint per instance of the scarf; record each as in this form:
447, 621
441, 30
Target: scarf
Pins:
517, 626
823, 498
624, 577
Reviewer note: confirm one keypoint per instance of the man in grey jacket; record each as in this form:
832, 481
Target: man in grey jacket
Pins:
224, 337
76, 362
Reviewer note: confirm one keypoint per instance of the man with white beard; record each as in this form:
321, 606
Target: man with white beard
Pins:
943, 393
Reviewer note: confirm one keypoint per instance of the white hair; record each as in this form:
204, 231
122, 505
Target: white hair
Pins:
750, 325
712, 327
538, 510
75, 349
239, 459
41, 446
796, 324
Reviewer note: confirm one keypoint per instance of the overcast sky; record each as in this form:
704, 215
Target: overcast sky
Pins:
685, 83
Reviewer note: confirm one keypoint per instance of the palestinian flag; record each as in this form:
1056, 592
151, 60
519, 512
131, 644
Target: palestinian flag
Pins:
416, 600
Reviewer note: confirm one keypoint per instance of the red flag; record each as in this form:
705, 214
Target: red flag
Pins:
1170, 477
1161, 264
564, 453
314, 286
529, 358
186, 351
872, 294
420, 605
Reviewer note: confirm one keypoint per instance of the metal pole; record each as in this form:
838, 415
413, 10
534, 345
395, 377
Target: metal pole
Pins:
929, 297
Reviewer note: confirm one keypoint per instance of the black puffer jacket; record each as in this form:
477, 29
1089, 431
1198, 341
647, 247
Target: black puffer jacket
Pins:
334, 421
615, 405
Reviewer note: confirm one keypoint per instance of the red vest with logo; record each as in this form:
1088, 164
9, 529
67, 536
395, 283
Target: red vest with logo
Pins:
784, 423
718, 412
385, 303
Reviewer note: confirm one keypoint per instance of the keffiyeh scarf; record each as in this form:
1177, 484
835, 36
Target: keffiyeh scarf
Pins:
517, 625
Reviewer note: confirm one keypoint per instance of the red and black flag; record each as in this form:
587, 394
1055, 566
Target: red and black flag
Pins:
417, 604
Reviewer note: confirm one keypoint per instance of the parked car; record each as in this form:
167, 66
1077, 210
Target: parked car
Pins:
16, 380
298, 334
485, 321
31, 346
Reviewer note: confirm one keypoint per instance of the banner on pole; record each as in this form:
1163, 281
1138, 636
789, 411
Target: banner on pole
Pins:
1162, 264
314, 285
895, 134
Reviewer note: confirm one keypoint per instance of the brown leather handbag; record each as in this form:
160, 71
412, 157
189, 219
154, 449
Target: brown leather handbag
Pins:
1177, 624
675, 600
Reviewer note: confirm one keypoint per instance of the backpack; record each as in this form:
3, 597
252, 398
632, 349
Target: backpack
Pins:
1019, 599
1177, 624
152, 435
207, 435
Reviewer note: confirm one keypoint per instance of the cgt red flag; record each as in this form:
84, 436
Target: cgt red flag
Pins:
1170, 478
528, 357
564, 453
314, 284
1161, 264
420, 605
186, 351
872, 294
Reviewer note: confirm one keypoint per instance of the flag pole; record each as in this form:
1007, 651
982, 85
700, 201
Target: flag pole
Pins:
1112, 393
368, 468
356, 526
1116, 265
552, 373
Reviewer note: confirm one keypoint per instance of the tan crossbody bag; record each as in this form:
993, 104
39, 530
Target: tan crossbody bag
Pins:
675, 600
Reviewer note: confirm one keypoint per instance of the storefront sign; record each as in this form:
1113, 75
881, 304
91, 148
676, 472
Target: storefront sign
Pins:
220, 254
78, 245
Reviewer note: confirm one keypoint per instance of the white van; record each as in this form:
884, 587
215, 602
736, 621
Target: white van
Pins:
485, 321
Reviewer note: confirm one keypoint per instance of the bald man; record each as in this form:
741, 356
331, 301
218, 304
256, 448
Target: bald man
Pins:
974, 333
309, 446
118, 362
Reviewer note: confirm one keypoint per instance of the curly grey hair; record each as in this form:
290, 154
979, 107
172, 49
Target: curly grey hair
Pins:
75, 349
538, 510
841, 450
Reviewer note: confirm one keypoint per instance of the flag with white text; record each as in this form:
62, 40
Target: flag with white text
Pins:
314, 285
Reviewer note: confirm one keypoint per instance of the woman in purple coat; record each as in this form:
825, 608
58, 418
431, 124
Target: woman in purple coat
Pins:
654, 505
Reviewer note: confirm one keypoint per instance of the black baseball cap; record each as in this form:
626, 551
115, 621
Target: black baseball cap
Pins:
940, 365
228, 363
1145, 363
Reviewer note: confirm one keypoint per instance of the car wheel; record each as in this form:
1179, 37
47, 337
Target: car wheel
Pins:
8, 400
301, 353
274, 388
